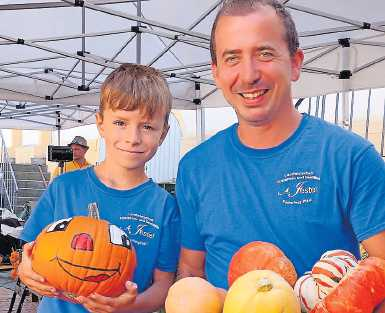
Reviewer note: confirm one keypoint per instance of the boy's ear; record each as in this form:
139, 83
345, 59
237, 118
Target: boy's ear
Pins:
99, 123
164, 133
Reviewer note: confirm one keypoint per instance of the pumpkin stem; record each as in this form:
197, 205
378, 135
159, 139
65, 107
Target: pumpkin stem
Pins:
93, 210
264, 285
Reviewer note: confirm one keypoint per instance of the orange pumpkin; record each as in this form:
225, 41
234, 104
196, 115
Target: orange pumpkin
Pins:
361, 290
83, 255
194, 295
260, 255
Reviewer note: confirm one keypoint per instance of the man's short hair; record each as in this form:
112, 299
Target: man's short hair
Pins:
244, 7
133, 86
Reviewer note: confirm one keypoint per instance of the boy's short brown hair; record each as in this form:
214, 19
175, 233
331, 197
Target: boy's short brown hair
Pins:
134, 86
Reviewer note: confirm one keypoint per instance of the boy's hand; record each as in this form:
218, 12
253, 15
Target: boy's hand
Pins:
99, 304
30, 278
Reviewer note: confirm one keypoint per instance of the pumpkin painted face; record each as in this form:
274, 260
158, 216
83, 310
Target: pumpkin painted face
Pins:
82, 255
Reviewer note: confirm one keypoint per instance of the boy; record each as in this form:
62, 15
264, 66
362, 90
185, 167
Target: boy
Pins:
133, 120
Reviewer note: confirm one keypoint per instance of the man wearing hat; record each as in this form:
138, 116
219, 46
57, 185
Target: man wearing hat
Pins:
79, 148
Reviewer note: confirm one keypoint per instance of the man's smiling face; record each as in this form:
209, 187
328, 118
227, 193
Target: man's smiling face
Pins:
254, 67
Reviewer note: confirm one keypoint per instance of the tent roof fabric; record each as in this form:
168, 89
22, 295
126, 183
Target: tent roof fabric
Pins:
54, 55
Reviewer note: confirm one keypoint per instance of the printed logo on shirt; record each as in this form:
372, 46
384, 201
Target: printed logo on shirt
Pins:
140, 228
298, 187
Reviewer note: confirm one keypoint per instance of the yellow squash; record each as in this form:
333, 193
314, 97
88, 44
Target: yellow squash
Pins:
261, 291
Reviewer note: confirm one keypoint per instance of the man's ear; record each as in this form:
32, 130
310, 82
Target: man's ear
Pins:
214, 71
296, 64
164, 133
99, 123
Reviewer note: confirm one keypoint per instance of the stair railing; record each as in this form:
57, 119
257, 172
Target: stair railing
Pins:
8, 183
42, 176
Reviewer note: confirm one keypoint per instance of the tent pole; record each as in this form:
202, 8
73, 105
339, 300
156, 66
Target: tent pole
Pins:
139, 35
345, 66
83, 45
58, 127
199, 114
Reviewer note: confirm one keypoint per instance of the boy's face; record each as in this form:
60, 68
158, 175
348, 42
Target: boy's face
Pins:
131, 138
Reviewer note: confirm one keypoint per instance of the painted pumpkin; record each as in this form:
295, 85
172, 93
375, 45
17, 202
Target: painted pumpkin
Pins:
82, 255
260, 255
194, 295
359, 291
261, 291
326, 273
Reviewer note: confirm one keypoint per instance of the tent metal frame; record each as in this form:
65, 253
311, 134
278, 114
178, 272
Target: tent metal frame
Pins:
191, 73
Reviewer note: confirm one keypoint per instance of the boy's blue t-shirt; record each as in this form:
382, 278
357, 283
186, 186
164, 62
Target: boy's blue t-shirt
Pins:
147, 213
321, 189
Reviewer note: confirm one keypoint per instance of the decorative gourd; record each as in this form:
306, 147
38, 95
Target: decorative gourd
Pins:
82, 255
194, 295
331, 268
307, 292
262, 291
260, 255
359, 291
326, 273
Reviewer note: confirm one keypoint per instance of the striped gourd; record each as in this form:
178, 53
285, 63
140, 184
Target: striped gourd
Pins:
307, 292
326, 273
331, 268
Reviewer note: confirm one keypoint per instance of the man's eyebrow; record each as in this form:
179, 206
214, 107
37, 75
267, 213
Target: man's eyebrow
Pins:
265, 47
238, 51
230, 52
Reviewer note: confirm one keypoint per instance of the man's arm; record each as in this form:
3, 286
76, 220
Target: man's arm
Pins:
191, 263
375, 246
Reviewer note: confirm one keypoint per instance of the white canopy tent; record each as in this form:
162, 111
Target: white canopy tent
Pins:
55, 54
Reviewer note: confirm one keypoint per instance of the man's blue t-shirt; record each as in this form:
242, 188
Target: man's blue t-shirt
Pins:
321, 189
147, 213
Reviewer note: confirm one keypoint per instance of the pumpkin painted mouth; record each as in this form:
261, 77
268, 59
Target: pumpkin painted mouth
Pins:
94, 274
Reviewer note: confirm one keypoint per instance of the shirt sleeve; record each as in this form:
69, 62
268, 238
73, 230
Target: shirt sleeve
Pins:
167, 260
41, 215
367, 212
190, 235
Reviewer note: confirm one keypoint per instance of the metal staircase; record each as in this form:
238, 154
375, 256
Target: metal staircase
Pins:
32, 180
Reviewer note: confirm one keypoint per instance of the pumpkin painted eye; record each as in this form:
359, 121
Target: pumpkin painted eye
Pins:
119, 237
60, 225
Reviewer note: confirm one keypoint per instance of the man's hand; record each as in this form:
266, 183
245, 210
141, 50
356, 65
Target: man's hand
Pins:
30, 278
99, 304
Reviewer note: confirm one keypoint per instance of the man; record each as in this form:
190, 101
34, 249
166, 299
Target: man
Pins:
276, 176
79, 148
